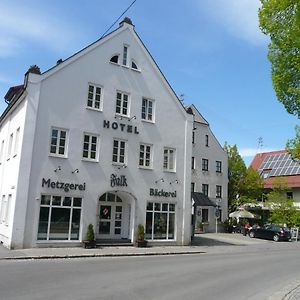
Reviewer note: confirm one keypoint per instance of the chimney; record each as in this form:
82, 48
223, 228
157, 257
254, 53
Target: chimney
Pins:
127, 21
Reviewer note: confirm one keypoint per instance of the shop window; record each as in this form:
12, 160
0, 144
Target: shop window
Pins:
59, 218
160, 221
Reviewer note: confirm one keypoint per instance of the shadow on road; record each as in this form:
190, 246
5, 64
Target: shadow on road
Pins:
202, 240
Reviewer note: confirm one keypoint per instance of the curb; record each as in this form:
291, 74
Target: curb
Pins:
98, 255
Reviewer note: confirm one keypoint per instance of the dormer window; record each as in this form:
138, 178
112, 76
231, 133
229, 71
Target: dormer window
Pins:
115, 59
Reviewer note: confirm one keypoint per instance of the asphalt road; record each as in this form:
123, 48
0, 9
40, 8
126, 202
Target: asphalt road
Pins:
248, 272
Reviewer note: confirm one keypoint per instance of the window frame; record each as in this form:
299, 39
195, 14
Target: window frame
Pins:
91, 135
205, 189
93, 100
193, 163
154, 210
218, 166
10, 146
122, 104
206, 140
205, 165
168, 156
147, 108
144, 158
17, 142
65, 155
72, 207
118, 154
219, 191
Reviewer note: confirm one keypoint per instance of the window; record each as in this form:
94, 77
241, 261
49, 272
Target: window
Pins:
169, 159
145, 159
147, 110
289, 195
16, 146
193, 137
193, 163
122, 104
193, 187
133, 65
218, 166
115, 59
218, 191
1, 152
90, 147
206, 140
205, 189
204, 164
10, 142
59, 218
119, 151
125, 54
160, 221
94, 97
58, 142
204, 215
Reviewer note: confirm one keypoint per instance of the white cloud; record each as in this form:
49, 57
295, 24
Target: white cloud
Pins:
239, 18
21, 26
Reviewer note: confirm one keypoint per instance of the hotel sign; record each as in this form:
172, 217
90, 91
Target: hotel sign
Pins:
122, 127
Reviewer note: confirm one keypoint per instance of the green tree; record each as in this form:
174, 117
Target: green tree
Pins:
282, 209
236, 171
251, 185
293, 145
280, 19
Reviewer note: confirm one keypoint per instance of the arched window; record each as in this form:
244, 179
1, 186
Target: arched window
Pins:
133, 65
115, 59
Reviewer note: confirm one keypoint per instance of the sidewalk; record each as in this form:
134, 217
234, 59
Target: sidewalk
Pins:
200, 245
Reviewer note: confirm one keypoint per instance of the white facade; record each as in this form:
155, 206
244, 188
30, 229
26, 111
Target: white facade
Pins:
98, 141
209, 173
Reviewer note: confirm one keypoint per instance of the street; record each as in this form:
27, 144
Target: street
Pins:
225, 272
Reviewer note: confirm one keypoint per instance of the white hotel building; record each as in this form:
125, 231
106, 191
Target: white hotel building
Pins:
100, 138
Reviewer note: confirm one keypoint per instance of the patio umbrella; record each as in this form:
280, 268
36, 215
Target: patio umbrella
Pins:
243, 214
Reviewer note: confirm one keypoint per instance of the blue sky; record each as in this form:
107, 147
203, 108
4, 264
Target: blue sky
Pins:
211, 51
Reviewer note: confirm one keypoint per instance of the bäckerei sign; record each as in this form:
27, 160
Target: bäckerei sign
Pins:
162, 193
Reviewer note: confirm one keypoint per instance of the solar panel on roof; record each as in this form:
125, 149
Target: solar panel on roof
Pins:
280, 165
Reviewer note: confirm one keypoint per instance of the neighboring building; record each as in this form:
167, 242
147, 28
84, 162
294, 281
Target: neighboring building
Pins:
100, 138
271, 165
209, 175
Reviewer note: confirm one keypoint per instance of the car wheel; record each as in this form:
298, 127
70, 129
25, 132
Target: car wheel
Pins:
251, 234
275, 238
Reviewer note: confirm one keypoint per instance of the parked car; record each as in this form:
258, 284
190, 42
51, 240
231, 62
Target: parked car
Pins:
271, 232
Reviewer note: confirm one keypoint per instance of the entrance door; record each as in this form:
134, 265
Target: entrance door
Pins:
111, 211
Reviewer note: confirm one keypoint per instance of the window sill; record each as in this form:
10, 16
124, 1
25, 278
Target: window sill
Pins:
120, 117
170, 171
90, 160
94, 109
147, 121
136, 70
57, 156
122, 165
115, 64
146, 168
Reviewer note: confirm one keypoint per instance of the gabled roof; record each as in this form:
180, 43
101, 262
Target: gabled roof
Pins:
13, 91
202, 200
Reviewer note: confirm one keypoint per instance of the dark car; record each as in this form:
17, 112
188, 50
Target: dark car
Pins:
271, 232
